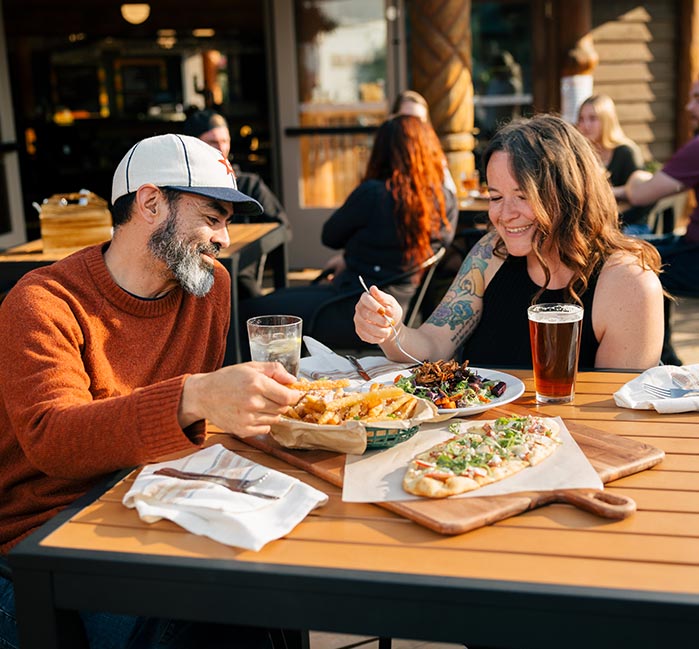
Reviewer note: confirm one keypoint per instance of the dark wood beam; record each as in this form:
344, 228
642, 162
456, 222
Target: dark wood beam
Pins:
103, 18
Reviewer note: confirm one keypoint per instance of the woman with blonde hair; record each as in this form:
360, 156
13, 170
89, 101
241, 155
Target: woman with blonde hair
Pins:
554, 238
599, 123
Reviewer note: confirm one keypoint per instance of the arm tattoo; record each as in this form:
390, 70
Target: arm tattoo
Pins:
460, 309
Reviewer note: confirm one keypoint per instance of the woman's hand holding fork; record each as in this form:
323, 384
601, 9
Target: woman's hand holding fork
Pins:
373, 315
377, 317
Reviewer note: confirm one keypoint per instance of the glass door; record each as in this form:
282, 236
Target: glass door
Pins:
12, 229
338, 65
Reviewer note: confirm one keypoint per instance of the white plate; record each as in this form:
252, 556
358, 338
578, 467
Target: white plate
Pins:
514, 390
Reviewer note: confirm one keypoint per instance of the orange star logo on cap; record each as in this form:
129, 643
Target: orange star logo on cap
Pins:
228, 166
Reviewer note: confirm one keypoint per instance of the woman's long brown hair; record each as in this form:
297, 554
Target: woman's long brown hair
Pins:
407, 156
566, 187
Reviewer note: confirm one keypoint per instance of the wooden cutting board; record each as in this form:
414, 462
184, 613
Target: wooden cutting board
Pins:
612, 456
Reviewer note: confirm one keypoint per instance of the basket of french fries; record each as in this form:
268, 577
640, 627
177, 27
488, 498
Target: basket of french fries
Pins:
330, 418
388, 437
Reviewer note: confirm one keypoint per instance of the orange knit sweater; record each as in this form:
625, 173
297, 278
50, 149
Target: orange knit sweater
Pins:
90, 382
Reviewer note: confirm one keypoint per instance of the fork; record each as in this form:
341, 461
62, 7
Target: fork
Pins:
390, 324
240, 485
667, 393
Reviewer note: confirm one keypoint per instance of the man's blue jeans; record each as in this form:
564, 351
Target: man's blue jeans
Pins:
680, 264
104, 631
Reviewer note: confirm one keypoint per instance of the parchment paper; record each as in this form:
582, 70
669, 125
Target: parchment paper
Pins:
377, 476
349, 437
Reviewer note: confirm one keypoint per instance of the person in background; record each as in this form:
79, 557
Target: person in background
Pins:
410, 102
212, 128
413, 103
112, 359
397, 217
599, 123
679, 252
504, 78
554, 238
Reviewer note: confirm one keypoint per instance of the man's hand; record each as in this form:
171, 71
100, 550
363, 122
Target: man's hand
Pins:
245, 399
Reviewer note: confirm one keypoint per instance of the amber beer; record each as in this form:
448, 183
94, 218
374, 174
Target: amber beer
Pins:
554, 332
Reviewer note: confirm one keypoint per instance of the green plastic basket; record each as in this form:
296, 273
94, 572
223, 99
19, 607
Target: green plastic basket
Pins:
387, 437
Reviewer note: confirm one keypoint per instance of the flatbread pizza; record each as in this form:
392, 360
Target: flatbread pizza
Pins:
487, 452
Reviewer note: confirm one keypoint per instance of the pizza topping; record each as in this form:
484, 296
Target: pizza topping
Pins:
485, 452
473, 453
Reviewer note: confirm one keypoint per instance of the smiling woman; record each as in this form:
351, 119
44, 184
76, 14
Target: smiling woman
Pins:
554, 238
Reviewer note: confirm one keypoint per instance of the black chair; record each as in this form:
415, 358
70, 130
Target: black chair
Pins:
412, 312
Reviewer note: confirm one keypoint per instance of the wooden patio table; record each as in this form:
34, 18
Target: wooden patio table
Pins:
552, 577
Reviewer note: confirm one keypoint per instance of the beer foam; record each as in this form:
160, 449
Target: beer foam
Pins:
555, 313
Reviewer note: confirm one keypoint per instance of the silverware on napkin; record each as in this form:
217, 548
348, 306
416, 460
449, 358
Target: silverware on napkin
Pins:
239, 485
668, 393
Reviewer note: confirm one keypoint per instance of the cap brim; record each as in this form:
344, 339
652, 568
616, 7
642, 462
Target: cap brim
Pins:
243, 204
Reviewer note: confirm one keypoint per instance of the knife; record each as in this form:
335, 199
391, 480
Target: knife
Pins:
358, 366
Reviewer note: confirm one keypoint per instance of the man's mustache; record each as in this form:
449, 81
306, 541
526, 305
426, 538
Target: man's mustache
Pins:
213, 249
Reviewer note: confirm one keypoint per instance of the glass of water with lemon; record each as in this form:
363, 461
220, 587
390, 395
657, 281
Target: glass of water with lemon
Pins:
276, 338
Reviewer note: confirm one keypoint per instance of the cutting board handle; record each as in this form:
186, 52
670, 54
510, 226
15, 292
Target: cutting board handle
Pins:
598, 502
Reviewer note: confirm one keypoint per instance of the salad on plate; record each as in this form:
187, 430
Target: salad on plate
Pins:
450, 385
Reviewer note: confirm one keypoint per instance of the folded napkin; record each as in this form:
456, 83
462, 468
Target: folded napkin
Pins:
325, 363
632, 394
209, 509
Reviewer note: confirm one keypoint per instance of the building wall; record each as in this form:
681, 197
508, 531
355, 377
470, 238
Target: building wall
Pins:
637, 47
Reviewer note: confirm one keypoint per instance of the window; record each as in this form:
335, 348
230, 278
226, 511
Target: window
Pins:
501, 62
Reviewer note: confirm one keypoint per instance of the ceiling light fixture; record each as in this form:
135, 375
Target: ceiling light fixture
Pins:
204, 32
135, 13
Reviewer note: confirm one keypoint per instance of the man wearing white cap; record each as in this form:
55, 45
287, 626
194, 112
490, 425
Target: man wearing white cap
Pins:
111, 358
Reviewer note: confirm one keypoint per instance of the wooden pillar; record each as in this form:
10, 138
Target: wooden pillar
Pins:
577, 55
441, 70
688, 64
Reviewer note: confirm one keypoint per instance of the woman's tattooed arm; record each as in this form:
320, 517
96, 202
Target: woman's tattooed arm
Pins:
461, 306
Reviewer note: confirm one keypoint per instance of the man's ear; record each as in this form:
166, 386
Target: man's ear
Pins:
149, 202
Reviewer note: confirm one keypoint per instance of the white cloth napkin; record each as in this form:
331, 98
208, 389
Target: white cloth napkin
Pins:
325, 363
632, 394
238, 519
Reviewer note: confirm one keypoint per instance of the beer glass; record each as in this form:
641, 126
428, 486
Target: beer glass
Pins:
276, 338
554, 332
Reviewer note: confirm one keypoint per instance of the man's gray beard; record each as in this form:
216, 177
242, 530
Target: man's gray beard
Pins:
182, 258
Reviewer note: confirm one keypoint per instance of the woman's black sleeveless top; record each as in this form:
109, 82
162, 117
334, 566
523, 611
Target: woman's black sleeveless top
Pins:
502, 336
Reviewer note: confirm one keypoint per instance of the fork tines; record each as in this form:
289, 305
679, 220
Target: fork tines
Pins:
656, 390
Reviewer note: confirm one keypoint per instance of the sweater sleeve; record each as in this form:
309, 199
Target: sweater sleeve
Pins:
61, 415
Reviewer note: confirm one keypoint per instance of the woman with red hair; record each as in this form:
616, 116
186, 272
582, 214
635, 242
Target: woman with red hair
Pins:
398, 217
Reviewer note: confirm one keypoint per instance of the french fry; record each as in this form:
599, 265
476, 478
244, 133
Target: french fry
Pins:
348, 400
322, 384
354, 411
291, 413
396, 404
383, 394
406, 412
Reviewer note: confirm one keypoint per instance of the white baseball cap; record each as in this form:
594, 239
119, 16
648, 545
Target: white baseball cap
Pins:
184, 163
